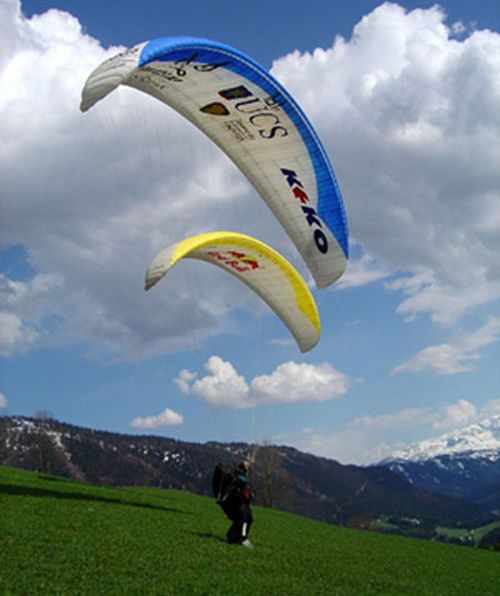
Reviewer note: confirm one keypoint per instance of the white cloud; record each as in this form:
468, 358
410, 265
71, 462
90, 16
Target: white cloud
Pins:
409, 113
456, 415
289, 382
223, 386
443, 358
347, 445
293, 382
369, 439
454, 357
14, 335
406, 417
446, 303
92, 197
3, 401
23, 306
491, 408
184, 379
365, 270
418, 157
166, 418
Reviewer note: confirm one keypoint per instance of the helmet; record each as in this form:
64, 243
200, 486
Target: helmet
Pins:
243, 466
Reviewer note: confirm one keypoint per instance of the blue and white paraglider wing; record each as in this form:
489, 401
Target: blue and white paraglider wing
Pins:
256, 122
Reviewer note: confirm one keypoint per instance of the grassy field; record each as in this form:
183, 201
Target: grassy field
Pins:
63, 537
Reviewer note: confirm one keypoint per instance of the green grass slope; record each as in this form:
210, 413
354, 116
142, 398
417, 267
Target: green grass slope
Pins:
63, 537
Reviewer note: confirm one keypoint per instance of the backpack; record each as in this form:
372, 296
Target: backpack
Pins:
222, 484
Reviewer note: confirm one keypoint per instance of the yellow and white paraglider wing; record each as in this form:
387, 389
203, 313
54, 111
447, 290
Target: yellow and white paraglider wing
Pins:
259, 266
256, 122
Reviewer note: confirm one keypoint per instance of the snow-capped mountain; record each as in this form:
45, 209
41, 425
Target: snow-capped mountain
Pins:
480, 440
463, 463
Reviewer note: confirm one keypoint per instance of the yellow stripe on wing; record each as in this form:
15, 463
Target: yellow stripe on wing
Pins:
303, 295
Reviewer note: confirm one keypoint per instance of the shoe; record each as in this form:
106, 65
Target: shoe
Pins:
246, 543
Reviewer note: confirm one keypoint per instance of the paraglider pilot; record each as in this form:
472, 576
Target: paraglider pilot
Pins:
241, 497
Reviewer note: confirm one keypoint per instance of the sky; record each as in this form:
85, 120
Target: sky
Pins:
405, 97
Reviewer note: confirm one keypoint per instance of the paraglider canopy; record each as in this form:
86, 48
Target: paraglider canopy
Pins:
256, 122
257, 265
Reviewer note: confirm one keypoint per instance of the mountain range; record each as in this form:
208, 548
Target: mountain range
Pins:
283, 477
464, 463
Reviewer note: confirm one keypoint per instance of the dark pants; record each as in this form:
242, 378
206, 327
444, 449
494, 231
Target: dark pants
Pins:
240, 527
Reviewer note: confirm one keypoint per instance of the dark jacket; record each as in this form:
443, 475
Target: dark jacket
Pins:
241, 488
236, 501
